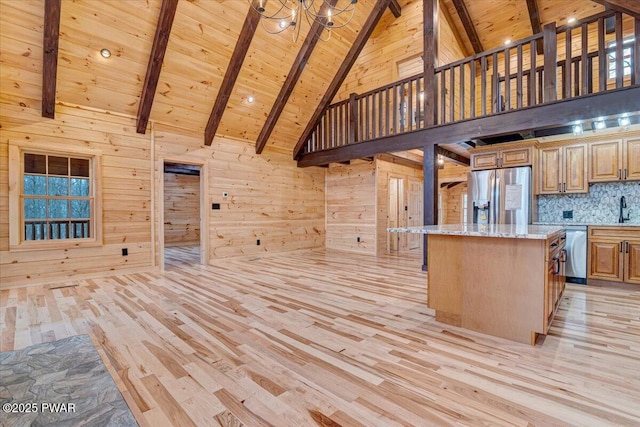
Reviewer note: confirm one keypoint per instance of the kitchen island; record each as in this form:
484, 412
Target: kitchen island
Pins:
502, 280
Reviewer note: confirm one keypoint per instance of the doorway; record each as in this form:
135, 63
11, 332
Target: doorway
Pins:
181, 203
396, 212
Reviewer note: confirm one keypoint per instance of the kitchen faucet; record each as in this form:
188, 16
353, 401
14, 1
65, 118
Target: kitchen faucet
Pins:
623, 205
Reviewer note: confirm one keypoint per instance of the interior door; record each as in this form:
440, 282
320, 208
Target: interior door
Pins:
396, 200
415, 211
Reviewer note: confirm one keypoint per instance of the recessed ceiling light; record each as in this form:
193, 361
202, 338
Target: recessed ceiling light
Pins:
507, 42
250, 99
106, 53
571, 20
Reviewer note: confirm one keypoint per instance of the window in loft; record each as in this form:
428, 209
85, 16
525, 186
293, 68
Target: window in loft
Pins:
626, 58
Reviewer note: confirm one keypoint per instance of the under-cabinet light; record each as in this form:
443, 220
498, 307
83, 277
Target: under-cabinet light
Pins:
577, 129
599, 124
624, 121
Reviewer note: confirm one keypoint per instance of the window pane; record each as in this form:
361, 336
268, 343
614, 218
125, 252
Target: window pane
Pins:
35, 208
79, 187
80, 209
35, 184
58, 209
58, 186
35, 163
58, 165
80, 167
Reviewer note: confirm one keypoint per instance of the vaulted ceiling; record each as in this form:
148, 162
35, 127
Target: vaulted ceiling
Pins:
200, 46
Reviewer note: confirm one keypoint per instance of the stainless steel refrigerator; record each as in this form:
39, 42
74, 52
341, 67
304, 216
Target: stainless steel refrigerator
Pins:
500, 196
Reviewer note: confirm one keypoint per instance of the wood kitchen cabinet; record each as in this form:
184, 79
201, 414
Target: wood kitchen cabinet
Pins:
614, 160
505, 156
563, 169
614, 254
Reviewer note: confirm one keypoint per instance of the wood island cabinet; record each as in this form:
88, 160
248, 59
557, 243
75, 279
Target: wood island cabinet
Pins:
614, 254
506, 156
615, 160
563, 169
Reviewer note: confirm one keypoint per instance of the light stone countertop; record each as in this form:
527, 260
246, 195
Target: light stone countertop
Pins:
590, 224
540, 232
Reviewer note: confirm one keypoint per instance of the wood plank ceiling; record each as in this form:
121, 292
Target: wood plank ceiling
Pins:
287, 80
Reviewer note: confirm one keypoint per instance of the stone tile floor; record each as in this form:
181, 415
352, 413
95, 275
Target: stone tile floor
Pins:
62, 383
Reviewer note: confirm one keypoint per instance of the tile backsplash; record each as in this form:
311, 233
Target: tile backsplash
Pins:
599, 206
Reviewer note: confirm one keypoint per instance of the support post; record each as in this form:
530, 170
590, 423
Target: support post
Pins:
430, 58
430, 196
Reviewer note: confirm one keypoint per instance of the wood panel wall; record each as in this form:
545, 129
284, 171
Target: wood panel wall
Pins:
351, 207
385, 170
269, 198
394, 41
126, 192
451, 208
181, 209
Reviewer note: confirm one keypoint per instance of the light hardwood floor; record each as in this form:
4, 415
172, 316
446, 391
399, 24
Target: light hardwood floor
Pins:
329, 338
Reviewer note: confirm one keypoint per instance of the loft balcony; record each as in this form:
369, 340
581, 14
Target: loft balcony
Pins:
564, 74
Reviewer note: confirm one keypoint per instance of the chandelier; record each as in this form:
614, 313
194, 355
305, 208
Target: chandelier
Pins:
278, 16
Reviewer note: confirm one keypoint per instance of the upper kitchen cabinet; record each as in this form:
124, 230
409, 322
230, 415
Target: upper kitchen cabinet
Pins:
563, 169
616, 160
632, 158
507, 155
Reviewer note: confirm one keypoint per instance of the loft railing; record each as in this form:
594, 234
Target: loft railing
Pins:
576, 60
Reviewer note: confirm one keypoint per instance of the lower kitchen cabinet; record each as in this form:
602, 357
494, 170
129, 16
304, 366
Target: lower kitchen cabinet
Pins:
614, 254
555, 280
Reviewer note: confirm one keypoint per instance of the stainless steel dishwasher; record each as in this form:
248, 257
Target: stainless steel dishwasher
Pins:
576, 266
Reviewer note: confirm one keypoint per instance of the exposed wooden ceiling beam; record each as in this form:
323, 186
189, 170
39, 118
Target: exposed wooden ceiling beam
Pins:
630, 7
467, 23
182, 169
399, 160
454, 157
395, 8
341, 74
293, 76
536, 25
462, 42
231, 75
50, 56
160, 41
540, 116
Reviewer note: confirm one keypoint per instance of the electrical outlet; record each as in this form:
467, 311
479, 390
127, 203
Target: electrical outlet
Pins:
125, 251
567, 214
258, 242
215, 206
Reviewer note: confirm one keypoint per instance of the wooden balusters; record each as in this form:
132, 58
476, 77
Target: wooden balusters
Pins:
619, 51
584, 61
550, 57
